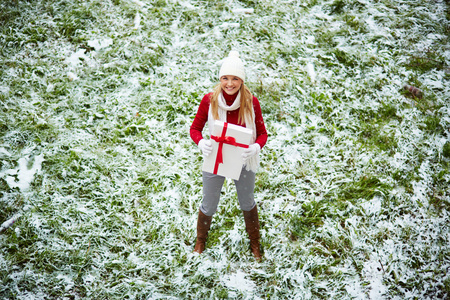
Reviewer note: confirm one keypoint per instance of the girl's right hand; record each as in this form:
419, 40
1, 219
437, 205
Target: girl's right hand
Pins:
205, 146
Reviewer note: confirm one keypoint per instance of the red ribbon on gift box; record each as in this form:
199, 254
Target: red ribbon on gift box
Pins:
224, 139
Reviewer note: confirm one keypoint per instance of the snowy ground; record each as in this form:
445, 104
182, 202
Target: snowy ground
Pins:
103, 184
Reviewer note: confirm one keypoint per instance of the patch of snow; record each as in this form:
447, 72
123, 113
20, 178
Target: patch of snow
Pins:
99, 44
22, 176
238, 281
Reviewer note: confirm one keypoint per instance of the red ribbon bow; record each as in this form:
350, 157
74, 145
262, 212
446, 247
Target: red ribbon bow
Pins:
223, 139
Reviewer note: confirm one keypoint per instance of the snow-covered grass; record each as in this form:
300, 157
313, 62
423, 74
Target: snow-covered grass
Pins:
103, 181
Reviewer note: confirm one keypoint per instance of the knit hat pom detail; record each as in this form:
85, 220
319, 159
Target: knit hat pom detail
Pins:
233, 53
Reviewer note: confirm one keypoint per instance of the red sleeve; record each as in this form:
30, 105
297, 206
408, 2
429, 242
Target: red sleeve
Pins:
261, 133
200, 119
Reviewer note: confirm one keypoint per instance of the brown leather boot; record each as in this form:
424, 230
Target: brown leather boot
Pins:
252, 227
203, 225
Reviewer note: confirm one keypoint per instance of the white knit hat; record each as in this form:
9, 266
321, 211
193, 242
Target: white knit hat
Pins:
233, 65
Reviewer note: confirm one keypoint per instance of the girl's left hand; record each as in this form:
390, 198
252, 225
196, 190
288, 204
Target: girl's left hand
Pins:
252, 150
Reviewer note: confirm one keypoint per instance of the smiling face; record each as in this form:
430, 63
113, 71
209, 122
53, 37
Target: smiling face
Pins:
230, 84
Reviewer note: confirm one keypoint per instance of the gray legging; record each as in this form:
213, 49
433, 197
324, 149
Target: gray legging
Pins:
212, 186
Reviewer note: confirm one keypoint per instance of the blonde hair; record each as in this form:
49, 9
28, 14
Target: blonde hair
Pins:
246, 103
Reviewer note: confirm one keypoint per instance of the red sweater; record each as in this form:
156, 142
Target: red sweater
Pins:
232, 117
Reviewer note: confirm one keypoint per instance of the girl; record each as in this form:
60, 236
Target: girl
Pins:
232, 102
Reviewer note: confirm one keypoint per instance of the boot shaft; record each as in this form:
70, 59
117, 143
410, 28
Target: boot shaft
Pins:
252, 223
203, 225
252, 227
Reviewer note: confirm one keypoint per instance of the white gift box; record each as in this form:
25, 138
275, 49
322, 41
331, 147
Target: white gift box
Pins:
230, 141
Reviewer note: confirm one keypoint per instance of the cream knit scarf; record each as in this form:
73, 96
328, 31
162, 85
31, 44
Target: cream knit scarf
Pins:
253, 162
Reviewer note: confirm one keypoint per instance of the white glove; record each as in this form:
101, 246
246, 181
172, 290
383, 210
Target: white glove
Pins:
252, 150
205, 146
